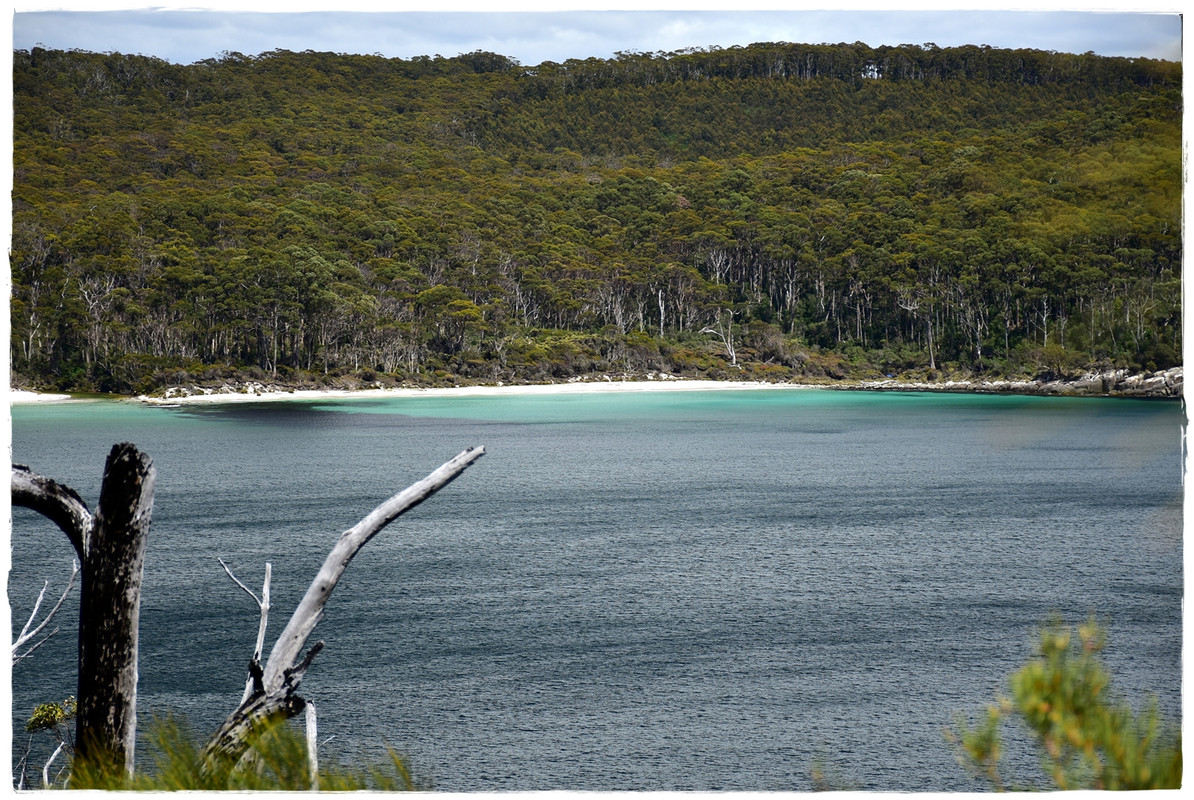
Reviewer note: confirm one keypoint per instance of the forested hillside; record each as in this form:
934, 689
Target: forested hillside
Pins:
777, 211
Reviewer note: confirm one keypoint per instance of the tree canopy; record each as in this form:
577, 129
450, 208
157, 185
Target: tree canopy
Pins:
849, 209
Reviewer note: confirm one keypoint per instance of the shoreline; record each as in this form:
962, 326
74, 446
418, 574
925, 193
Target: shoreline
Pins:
1162, 384
23, 397
264, 393
1159, 385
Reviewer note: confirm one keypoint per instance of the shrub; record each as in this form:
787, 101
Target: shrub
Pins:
277, 760
1088, 738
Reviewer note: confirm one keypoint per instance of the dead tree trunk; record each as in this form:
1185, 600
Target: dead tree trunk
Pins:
110, 611
726, 335
111, 548
275, 686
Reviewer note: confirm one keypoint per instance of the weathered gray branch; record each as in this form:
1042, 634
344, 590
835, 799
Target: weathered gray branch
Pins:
310, 608
281, 677
263, 606
229, 742
27, 634
60, 504
45, 771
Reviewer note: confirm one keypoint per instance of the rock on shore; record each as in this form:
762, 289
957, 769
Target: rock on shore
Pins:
1112, 383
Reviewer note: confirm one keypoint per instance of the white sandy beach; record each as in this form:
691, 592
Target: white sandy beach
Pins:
1164, 383
262, 394
16, 396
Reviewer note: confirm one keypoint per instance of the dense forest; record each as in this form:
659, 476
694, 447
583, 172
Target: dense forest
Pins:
778, 211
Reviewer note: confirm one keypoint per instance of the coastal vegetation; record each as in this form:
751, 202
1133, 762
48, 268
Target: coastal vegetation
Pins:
280, 762
1087, 737
772, 212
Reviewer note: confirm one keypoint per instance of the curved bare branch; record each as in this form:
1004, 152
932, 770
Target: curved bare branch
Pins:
60, 504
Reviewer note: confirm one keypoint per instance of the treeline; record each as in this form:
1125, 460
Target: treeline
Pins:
776, 210
857, 63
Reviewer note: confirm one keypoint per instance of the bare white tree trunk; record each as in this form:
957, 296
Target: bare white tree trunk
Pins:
310, 609
726, 334
312, 746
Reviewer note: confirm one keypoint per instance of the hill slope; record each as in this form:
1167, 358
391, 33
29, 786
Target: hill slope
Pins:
774, 211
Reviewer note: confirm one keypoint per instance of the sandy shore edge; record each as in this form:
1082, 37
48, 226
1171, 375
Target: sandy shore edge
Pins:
1112, 383
20, 397
1115, 383
257, 394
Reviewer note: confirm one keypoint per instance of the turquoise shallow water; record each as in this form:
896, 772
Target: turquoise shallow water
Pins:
709, 590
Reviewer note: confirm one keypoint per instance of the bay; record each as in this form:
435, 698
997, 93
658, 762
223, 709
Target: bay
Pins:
648, 591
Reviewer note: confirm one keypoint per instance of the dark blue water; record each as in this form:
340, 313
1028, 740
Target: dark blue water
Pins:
658, 591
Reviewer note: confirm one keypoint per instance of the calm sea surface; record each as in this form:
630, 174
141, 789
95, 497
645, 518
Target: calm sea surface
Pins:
650, 591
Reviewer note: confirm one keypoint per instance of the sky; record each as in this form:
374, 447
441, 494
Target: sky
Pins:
531, 35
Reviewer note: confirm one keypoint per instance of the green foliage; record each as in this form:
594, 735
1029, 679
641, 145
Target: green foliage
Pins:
54, 719
1088, 738
1059, 361
277, 760
51, 717
311, 214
